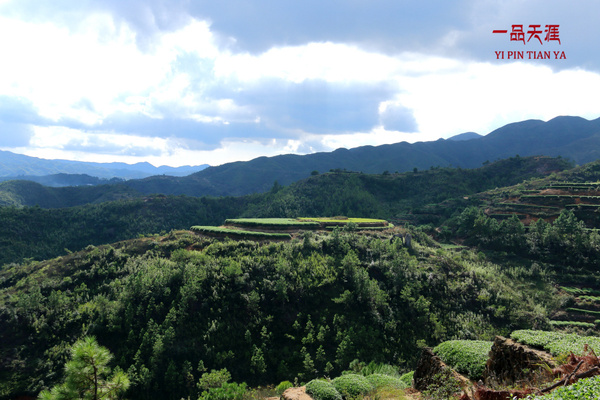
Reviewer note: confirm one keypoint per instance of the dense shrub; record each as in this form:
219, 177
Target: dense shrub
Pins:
227, 391
283, 386
407, 378
379, 368
352, 385
444, 387
466, 356
585, 389
380, 380
322, 390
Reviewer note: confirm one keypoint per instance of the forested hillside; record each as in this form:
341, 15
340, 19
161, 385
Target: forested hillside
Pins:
172, 307
35, 232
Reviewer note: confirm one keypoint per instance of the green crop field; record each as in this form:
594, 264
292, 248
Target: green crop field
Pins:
274, 222
595, 299
521, 205
345, 220
240, 233
579, 291
557, 343
573, 323
583, 311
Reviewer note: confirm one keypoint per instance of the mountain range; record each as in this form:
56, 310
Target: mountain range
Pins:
574, 138
19, 166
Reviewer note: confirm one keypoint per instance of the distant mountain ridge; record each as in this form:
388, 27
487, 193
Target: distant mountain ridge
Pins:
574, 138
19, 166
465, 136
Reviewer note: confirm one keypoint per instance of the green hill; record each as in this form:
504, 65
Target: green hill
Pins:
170, 307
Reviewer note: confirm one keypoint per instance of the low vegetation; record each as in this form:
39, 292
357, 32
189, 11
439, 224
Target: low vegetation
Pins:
379, 381
557, 343
220, 231
351, 386
338, 297
584, 389
320, 389
466, 356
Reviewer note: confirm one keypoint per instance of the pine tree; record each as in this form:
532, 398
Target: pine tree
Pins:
86, 375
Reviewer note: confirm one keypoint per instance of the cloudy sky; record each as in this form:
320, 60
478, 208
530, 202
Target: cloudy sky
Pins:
202, 81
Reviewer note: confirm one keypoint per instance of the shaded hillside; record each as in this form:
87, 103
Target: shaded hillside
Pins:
34, 232
412, 196
27, 193
60, 180
572, 137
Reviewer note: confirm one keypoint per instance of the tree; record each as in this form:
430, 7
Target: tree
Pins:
86, 375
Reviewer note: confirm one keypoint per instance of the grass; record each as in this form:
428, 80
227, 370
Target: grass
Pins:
573, 323
595, 299
579, 291
345, 220
583, 311
466, 356
273, 222
528, 206
237, 232
557, 343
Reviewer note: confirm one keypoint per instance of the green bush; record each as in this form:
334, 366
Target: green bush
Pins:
445, 387
322, 390
584, 389
227, 391
352, 385
214, 379
379, 368
466, 356
380, 380
407, 378
283, 386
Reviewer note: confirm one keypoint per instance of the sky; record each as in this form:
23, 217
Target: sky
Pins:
190, 82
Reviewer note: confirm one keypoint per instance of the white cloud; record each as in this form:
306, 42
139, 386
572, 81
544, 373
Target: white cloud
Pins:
156, 100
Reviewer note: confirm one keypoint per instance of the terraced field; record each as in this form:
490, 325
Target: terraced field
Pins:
274, 228
547, 201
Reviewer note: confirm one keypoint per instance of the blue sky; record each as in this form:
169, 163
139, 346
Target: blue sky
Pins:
187, 82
